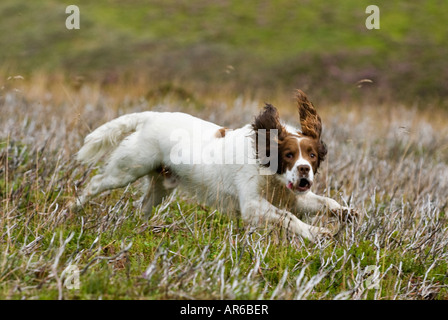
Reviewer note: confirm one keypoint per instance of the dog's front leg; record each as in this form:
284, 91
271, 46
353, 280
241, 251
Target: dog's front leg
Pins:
260, 212
310, 203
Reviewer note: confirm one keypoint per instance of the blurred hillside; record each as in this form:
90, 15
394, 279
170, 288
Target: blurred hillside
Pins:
322, 48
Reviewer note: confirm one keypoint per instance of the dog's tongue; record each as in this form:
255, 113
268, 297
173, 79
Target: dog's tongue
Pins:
290, 185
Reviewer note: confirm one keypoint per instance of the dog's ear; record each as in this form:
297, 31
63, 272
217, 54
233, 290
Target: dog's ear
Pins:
311, 123
309, 119
321, 152
268, 119
268, 131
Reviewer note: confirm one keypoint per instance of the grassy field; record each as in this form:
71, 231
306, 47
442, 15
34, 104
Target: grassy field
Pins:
246, 45
389, 161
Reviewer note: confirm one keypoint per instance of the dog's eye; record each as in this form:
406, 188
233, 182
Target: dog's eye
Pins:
289, 155
312, 155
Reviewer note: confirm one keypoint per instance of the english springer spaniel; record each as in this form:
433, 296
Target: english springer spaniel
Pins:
263, 170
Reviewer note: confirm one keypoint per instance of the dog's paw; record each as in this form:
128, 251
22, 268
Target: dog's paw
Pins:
346, 214
322, 235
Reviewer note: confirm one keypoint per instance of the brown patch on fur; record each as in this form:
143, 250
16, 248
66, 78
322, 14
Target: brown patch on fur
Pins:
310, 152
311, 124
278, 194
309, 119
221, 133
288, 153
268, 120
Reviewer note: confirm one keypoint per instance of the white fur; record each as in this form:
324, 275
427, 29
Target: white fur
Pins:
224, 173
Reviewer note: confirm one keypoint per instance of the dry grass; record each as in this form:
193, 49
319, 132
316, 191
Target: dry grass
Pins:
389, 161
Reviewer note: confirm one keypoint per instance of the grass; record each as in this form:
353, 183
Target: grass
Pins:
389, 161
322, 48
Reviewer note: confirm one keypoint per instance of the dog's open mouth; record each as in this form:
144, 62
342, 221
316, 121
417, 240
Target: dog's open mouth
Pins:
303, 185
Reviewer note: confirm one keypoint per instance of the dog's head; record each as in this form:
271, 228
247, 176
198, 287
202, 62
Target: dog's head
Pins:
297, 154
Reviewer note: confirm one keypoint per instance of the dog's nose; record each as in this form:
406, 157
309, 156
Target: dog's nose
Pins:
304, 169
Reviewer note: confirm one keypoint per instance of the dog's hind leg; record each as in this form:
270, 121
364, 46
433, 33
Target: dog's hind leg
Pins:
161, 183
127, 163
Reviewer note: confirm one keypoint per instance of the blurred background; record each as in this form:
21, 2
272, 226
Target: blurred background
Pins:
259, 46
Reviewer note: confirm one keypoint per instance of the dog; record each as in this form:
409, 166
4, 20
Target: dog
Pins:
263, 170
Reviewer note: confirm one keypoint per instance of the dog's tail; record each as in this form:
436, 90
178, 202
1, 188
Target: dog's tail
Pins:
108, 136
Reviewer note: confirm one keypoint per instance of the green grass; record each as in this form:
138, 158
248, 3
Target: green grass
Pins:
309, 44
189, 251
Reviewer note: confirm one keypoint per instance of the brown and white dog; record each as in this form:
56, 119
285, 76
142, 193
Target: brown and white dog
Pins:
263, 170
